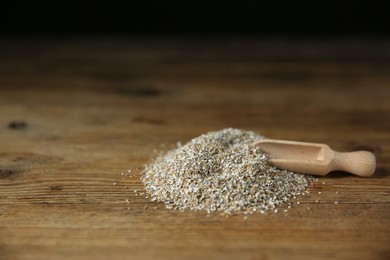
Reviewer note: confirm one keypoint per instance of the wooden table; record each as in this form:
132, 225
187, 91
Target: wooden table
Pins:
76, 113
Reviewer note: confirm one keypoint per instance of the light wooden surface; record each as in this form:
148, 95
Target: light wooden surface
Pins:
77, 112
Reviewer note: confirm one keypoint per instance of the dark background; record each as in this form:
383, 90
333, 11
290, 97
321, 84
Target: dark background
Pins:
195, 17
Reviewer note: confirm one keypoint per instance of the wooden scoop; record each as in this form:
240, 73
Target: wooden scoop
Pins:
316, 159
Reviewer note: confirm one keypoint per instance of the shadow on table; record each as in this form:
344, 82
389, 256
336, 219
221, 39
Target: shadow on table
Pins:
380, 172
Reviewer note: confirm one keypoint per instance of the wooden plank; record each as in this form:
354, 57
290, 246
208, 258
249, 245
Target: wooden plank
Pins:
75, 114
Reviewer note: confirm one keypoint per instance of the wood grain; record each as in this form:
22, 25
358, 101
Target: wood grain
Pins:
77, 112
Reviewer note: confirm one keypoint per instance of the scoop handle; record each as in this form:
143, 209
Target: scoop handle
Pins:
361, 163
